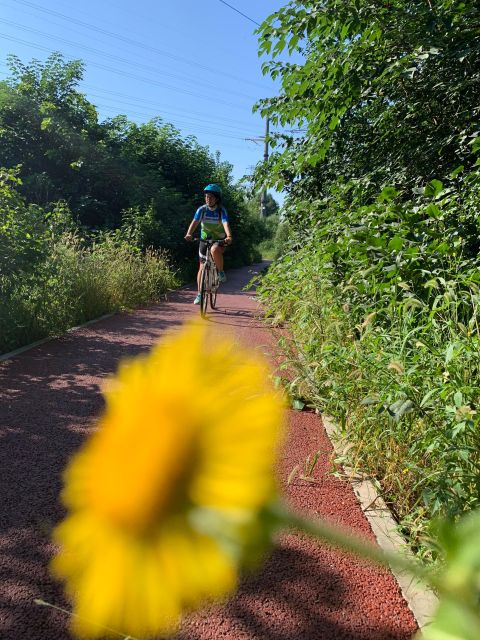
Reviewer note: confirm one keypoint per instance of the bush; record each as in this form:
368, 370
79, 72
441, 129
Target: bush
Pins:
75, 283
382, 304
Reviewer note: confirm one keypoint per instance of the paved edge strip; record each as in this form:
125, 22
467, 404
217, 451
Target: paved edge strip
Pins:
32, 345
420, 599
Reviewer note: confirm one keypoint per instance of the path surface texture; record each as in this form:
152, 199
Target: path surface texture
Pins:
49, 397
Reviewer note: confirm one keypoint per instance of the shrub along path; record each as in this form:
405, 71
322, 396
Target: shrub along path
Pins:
48, 398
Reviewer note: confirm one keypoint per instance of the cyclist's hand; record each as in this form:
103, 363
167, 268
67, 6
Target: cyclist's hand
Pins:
228, 240
189, 237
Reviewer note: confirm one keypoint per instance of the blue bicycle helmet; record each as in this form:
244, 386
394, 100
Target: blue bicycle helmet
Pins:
213, 188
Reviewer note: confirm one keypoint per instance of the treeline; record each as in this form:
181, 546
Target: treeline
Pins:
110, 171
380, 280
75, 189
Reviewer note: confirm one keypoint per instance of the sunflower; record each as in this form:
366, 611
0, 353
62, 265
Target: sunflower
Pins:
165, 500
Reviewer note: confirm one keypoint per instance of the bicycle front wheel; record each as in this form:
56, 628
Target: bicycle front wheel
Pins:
213, 298
214, 286
204, 282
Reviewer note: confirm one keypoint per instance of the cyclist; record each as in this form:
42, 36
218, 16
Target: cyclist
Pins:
213, 218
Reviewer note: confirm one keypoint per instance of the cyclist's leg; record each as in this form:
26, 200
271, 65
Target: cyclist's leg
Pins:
217, 254
205, 286
202, 255
199, 282
199, 274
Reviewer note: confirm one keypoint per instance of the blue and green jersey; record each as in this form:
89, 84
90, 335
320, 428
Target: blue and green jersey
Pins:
211, 221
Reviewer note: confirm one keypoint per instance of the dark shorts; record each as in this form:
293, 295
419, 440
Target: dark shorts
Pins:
202, 250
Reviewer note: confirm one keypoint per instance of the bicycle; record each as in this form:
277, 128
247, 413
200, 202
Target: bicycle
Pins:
209, 281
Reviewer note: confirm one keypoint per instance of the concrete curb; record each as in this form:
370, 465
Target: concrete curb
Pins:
32, 345
420, 599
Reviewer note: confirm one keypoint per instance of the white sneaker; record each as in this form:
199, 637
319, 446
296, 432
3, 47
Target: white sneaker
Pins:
197, 299
221, 276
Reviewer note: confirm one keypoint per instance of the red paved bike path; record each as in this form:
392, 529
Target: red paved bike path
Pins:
48, 398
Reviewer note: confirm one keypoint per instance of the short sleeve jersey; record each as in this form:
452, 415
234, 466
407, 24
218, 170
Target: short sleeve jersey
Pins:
212, 226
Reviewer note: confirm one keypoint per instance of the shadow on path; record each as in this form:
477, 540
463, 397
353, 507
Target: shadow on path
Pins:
49, 398
294, 597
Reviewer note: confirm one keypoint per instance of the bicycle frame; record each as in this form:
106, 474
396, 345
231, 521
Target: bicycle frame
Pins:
209, 281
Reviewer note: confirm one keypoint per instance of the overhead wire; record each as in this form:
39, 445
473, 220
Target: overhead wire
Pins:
242, 14
177, 123
188, 115
188, 112
124, 74
132, 41
116, 58
162, 112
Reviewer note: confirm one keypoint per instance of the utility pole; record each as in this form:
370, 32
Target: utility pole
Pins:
263, 197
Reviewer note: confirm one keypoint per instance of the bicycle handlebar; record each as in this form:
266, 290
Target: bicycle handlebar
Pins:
209, 241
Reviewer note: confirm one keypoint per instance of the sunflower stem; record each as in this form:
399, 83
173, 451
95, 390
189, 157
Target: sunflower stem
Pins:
348, 541
352, 543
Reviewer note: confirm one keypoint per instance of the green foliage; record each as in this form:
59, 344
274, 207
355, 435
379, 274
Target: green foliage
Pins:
387, 92
25, 231
113, 171
385, 336
75, 283
379, 278
21, 228
52, 279
271, 205
458, 616
266, 230
280, 239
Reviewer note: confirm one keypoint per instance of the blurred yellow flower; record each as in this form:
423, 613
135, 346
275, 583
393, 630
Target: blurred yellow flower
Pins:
166, 497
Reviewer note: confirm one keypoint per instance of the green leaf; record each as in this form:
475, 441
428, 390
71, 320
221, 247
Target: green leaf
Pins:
433, 210
425, 400
400, 408
449, 353
456, 171
387, 193
452, 622
433, 188
45, 124
396, 243
476, 145
298, 405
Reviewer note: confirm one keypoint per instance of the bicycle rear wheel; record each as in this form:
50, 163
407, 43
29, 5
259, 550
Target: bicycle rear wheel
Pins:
204, 282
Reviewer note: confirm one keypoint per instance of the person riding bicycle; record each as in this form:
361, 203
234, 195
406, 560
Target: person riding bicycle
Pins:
213, 218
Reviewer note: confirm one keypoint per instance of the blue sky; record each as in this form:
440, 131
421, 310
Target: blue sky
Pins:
193, 63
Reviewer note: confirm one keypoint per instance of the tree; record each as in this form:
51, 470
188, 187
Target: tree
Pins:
271, 205
110, 173
387, 91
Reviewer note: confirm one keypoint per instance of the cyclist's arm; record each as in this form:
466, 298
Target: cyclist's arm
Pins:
191, 229
226, 226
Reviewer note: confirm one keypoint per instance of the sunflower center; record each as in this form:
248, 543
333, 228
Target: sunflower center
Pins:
137, 480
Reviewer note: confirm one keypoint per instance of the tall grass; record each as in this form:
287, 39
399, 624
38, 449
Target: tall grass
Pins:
75, 283
393, 354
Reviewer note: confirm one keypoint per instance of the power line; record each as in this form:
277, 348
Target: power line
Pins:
131, 41
228, 123
127, 74
201, 128
162, 113
189, 113
242, 14
116, 58
178, 123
